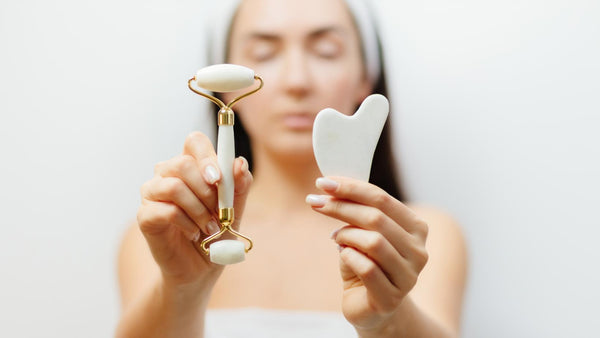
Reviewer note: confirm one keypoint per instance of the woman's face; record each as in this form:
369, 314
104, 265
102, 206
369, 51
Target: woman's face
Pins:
309, 55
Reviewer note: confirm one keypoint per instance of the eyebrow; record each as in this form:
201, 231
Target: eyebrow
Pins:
313, 34
326, 30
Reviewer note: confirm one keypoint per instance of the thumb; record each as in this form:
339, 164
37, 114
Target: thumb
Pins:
242, 180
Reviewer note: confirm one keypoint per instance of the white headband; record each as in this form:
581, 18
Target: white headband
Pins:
359, 9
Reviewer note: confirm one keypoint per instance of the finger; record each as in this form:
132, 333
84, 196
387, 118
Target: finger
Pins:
174, 190
201, 148
365, 217
379, 288
155, 218
242, 181
186, 168
376, 247
368, 194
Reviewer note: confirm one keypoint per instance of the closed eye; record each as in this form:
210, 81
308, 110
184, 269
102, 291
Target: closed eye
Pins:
262, 47
262, 51
328, 43
326, 48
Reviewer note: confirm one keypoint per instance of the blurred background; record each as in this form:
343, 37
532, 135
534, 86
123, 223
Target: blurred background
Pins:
497, 120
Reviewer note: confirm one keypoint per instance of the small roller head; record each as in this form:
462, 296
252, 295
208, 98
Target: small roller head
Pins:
227, 251
224, 78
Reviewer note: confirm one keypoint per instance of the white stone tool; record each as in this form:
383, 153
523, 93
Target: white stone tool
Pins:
225, 78
344, 145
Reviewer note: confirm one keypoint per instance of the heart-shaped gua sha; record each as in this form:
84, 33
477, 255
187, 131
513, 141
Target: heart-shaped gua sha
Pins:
344, 145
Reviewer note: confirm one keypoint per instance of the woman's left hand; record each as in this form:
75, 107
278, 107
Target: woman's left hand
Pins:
382, 249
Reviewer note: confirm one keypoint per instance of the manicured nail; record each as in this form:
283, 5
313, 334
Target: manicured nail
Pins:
244, 164
316, 200
334, 234
211, 174
327, 184
196, 236
212, 226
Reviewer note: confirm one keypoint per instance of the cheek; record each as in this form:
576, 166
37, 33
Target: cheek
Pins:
339, 88
253, 110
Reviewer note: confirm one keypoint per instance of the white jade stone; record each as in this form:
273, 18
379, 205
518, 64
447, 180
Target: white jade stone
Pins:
227, 251
344, 145
225, 157
224, 77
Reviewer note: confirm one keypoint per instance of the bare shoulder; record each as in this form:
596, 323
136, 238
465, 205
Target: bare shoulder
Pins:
440, 222
441, 285
446, 236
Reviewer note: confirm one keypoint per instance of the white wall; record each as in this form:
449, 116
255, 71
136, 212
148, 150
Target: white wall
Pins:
92, 94
499, 119
497, 107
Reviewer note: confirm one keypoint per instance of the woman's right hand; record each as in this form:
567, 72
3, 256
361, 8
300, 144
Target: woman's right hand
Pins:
179, 207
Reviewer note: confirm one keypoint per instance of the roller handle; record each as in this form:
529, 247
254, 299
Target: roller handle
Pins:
225, 252
225, 157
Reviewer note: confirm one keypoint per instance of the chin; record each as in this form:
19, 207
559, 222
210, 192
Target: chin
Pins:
295, 145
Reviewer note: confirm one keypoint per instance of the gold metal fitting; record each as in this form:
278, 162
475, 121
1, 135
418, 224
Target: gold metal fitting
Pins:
220, 103
226, 117
226, 219
226, 216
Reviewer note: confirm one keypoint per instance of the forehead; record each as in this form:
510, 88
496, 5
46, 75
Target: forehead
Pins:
291, 16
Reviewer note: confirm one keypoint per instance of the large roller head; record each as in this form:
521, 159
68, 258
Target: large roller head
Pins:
227, 251
224, 78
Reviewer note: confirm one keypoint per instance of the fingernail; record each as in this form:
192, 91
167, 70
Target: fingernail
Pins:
196, 236
316, 200
334, 234
211, 174
244, 163
327, 184
213, 227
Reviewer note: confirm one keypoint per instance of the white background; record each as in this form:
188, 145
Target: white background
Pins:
497, 112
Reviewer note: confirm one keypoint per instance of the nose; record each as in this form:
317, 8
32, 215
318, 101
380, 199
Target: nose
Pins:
296, 78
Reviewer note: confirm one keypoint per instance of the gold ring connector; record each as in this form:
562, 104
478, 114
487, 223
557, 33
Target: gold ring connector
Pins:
226, 117
226, 216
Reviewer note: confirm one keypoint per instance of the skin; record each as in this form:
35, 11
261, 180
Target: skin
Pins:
402, 267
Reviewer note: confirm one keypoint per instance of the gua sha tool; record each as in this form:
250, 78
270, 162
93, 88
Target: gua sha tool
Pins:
344, 145
225, 78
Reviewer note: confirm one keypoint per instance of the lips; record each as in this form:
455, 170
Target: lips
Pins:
299, 121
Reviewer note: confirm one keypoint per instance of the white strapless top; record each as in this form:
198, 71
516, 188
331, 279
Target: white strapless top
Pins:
268, 323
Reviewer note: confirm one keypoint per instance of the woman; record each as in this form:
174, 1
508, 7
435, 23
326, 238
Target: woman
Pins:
402, 266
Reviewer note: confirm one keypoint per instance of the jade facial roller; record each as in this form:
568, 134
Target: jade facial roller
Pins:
225, 78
